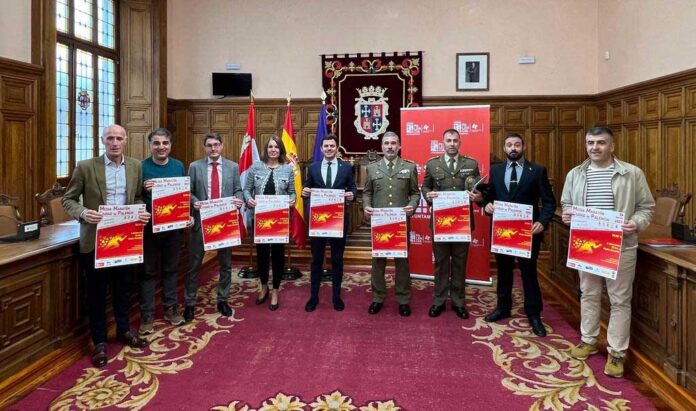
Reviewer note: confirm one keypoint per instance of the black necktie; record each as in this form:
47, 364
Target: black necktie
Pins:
513, 177
328, 174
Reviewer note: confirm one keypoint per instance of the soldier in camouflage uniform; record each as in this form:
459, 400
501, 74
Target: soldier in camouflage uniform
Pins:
450, 172
391, 182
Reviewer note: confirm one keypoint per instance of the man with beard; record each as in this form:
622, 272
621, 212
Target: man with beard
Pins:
450, 172
518, 180
391, 182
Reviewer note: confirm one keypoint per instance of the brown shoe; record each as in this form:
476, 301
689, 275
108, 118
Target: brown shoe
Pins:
99, 356
130, 339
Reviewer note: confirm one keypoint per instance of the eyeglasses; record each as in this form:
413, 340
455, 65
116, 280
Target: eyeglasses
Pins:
216, 145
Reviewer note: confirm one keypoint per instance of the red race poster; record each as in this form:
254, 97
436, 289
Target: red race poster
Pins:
451, 218
595, 241
171, 203
119, 239
326, 213
389, 233
272, 219
421, 139
512, 229
220, 223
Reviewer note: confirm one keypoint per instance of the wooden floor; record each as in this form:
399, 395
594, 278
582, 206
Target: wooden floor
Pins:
643, 388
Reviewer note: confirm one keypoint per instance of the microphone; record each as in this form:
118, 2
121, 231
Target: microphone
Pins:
25, 231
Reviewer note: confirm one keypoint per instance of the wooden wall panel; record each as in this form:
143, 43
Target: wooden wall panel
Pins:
22, 155
143, 101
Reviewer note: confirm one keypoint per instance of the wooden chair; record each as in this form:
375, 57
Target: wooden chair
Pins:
52, 211
670, 206
9, 215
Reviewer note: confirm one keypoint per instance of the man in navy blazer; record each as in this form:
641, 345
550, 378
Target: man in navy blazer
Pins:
211, 177
518, 180
335, 174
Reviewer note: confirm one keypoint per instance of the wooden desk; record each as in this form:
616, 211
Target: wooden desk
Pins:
663, 324
39, 304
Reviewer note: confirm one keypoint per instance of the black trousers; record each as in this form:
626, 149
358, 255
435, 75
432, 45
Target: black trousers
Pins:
97, 283
161, 255
276, 254
528, 268
338, 245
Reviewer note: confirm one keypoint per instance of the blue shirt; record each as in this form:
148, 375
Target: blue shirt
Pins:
173, 168
508, 171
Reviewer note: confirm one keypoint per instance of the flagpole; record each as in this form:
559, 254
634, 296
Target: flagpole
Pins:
249, 271
290, 272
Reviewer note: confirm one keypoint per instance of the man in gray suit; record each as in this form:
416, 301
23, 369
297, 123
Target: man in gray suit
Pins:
391, 182
211, 177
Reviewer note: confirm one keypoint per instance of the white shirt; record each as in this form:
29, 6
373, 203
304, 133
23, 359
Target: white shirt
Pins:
115, 181
210, 176
334, 169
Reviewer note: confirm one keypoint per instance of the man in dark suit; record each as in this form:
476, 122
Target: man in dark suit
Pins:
111, 179
518, 180
211, 177
335, 174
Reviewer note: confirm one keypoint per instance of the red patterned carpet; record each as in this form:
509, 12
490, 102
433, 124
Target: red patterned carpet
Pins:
350, 360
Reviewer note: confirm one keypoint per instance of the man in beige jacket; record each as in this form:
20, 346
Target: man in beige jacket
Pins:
604, 182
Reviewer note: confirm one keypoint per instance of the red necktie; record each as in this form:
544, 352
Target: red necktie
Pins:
214, 182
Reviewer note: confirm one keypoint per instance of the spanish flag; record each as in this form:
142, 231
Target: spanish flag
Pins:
297, 229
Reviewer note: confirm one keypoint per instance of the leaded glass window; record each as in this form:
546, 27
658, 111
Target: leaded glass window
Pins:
86, 79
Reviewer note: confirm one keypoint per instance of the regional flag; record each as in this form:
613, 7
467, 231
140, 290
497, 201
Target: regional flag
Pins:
297, 229
321, 132
249, 154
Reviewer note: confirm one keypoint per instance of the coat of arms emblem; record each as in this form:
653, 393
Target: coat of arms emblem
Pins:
371, 111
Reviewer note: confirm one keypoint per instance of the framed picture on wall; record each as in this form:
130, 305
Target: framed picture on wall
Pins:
473, 71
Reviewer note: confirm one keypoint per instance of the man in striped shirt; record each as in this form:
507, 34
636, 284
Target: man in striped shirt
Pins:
604, 182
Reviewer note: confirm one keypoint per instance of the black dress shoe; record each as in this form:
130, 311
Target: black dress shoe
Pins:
130, 339
99, 355
188, 313
374, 308
404, 310
263, 299
338, 304
436, 310
274, 307
311, 305
537, 326
224, 309
497, 315
461, 312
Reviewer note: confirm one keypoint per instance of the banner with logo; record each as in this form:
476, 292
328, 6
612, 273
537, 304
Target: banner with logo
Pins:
421, 139
119, 239
171, 203
220, 223
451, 217
595, 241
512, 229
389, 236
326, 213
272, 219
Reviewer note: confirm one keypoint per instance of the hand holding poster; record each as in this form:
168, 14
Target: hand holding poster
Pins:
595, 241
220, 223
512, 229
326, 213
451, 217
389, 233
171, 203
119, 239
272, 219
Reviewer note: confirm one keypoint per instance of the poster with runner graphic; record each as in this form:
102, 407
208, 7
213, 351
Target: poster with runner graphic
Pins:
171, 203
272, 219
512, 229
388, 226
595, 241
220, 223
119, 239
451, 217
326, 213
